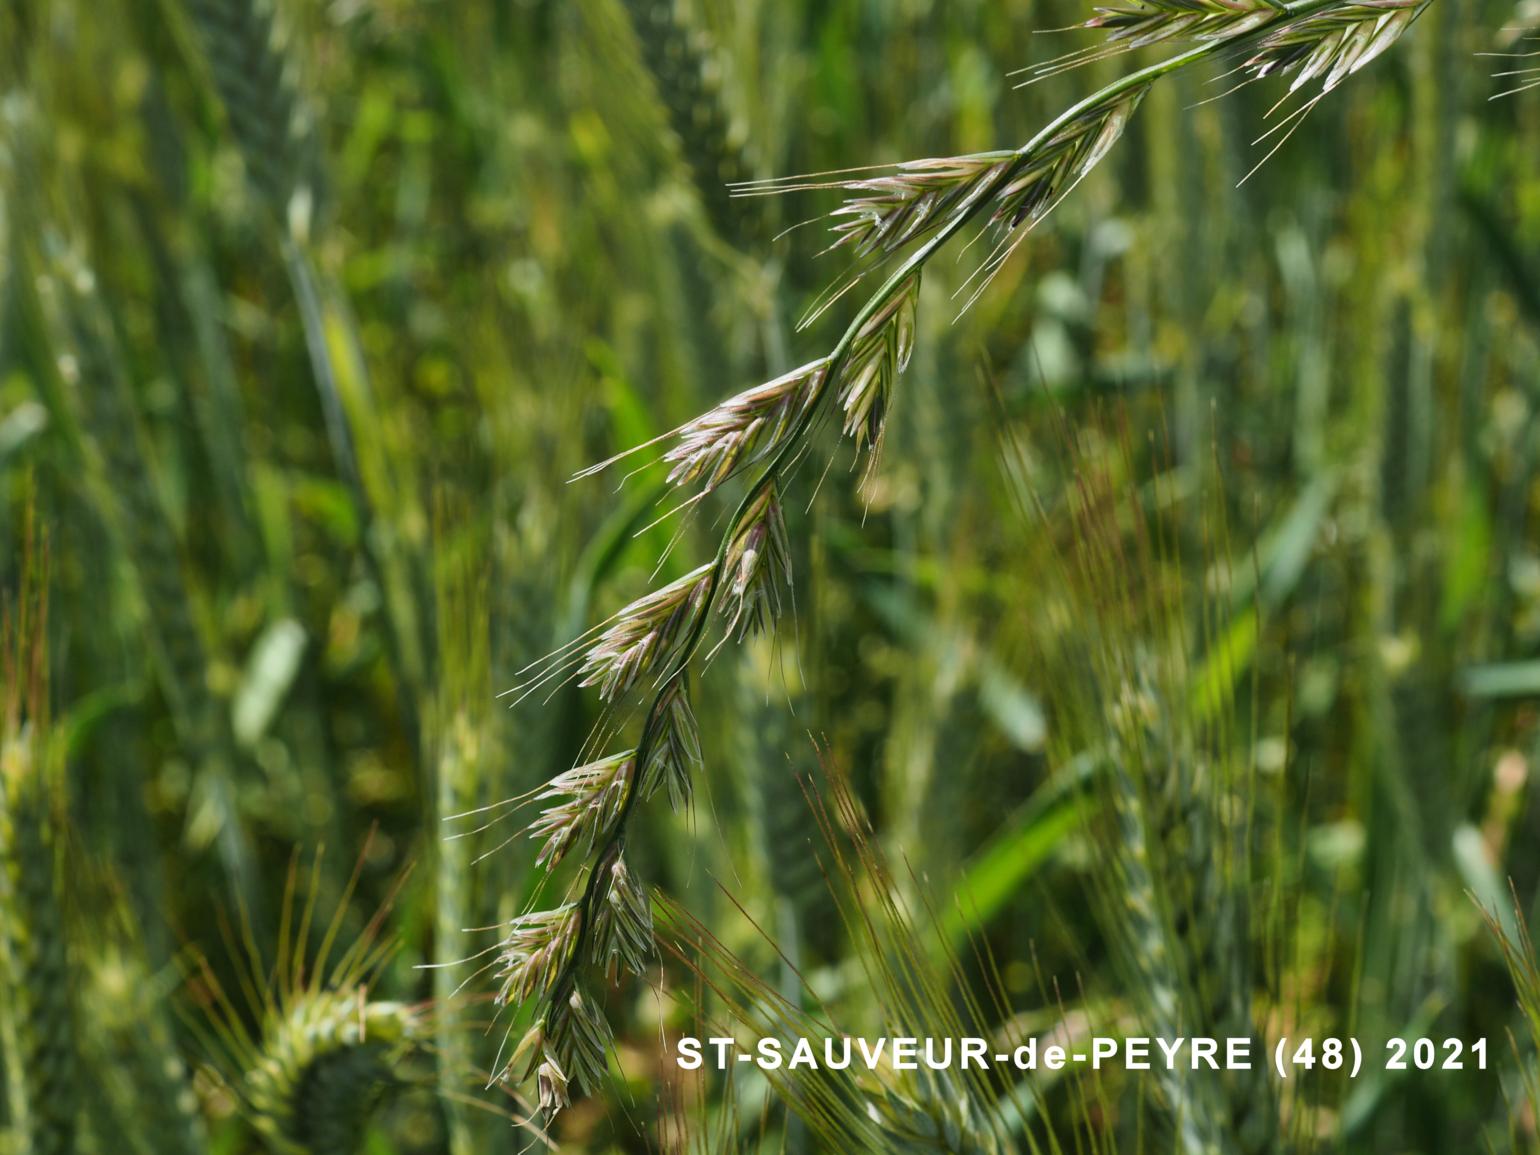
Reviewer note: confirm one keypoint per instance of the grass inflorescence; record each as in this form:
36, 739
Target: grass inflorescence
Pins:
900, 220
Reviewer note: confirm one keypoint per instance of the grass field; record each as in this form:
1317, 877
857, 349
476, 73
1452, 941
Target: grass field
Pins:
538, 530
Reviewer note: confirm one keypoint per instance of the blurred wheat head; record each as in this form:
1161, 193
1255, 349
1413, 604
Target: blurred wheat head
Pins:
305, 1049
38, 1013
1182, 839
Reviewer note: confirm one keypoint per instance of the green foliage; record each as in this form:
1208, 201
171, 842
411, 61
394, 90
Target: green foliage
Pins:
1126, 619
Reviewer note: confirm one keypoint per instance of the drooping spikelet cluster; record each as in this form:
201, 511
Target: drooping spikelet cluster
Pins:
1325, 40
569, 1044
545, 953
760, 437
540, 958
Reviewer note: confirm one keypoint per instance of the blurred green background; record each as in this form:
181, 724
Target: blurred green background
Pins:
302, 463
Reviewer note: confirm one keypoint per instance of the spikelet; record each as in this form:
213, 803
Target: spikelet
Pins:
567, 1049
590, 799
643, 635
1325, 42
878, 357
675, 750
741, 430
534, 952
1053, 167
921, 200
886, 213
578, 1039
622, 919
1331, 45
1146, 22
757, 568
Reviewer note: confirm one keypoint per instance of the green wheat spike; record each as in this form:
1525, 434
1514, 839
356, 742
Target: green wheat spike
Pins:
323, 1070
679, 58
261, 97
91, 367
257, 82
139, 1066
37, 1008
773, 751
1182, 922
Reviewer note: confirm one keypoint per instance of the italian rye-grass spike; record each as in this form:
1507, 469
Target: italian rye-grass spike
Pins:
759, 438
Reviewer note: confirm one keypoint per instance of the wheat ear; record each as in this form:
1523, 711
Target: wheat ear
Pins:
323, 1068
43, 1069
1180, 924
37, 1008
91, 367
324, 1052
679, 57
259, 91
